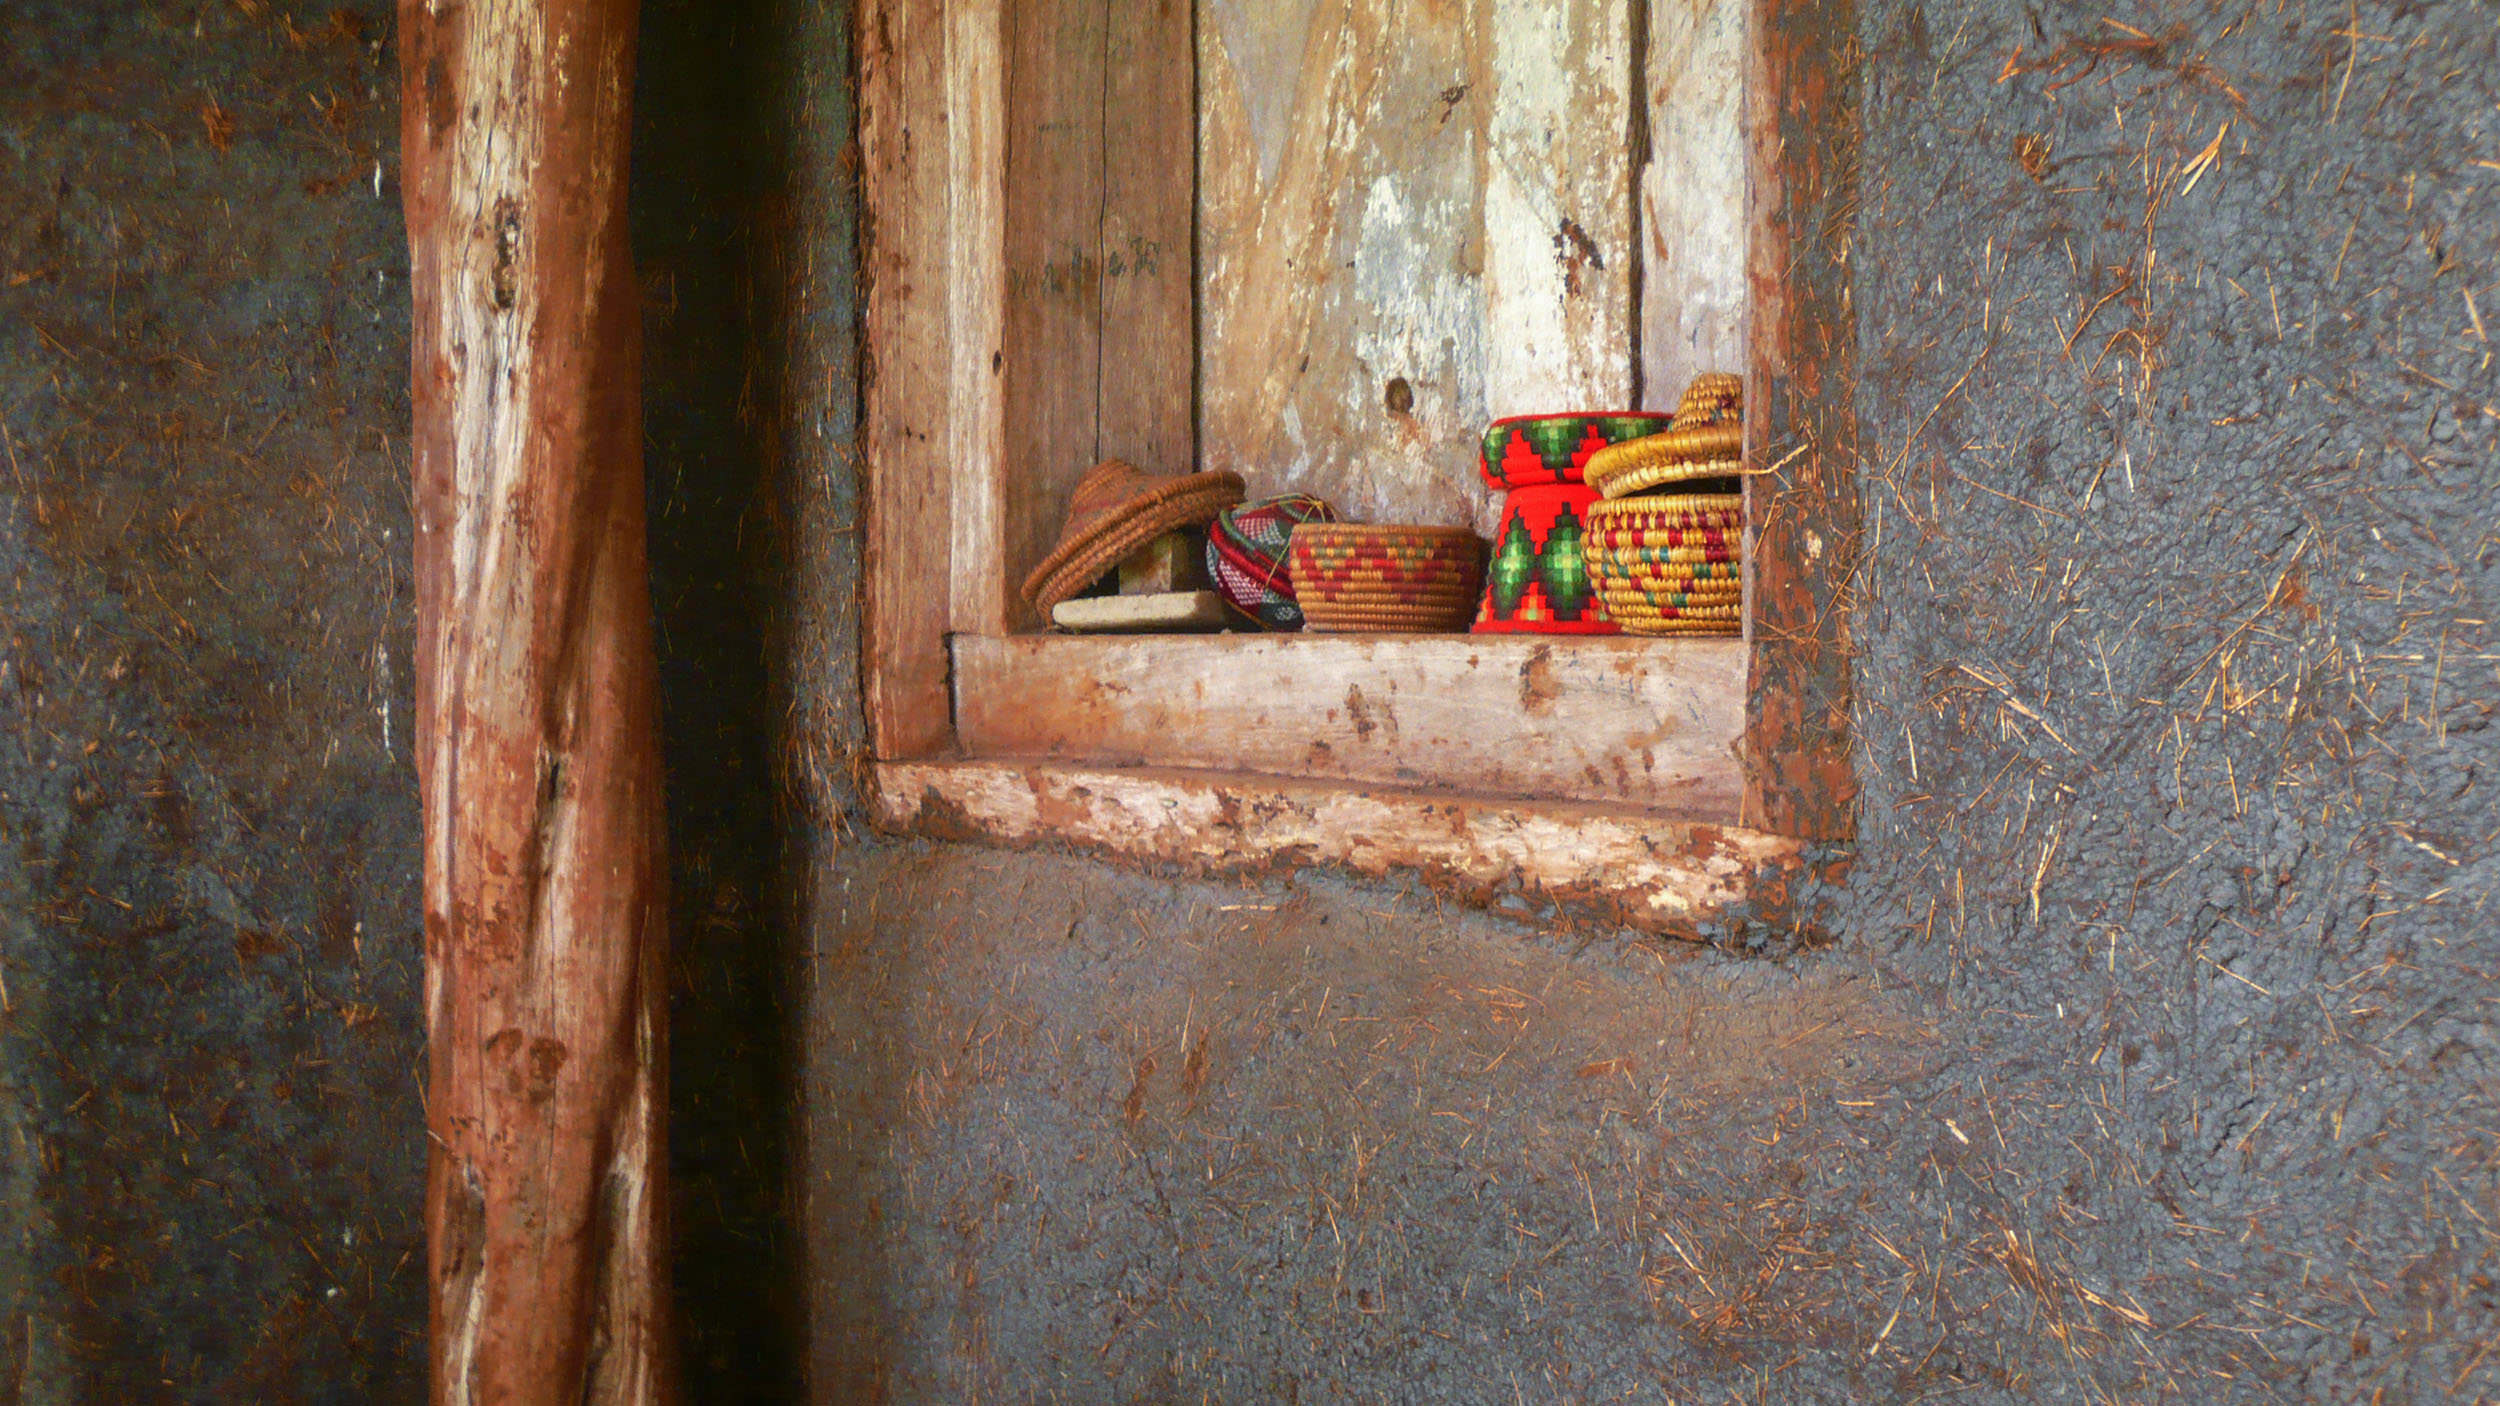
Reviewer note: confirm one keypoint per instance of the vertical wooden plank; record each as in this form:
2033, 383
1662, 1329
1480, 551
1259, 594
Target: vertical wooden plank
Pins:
1558, 249
537, 712
905, 365
984, 593
1340, 203
1693, 217
1413, 217
1053, 317
1801, 430
1148, 395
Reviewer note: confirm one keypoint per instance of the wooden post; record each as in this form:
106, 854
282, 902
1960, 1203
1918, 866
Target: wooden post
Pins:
1801, 429
536, 711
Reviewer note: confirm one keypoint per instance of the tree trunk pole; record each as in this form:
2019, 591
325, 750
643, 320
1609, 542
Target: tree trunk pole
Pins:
545, 918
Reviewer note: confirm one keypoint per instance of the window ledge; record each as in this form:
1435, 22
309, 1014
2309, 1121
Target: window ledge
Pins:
1651, 871
1626, 722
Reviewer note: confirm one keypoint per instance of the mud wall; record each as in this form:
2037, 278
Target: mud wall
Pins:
2152, 1056
209, 934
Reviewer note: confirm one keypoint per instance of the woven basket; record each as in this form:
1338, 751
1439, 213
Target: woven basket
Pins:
1358, 597
1538, 582
1668, 597
1393, 619
1669, 564
1623, 544
1713, 395
1376, 576
1682, 455
1522, 451
1618, 518
1651, 625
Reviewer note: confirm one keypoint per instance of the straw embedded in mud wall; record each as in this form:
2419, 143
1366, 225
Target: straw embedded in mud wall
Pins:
537, 753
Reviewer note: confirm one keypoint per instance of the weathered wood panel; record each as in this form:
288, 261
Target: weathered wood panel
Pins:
1661, 876
1148, 392
1412, 217
1051, 372
905, 370
977, 577
1560, 321
1693, 216
1636, 722
537, 711
1801, 502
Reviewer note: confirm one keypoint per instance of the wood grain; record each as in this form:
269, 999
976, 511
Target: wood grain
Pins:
1801, 432
537, 719
984, 594
1693, 197
1053, 316
906, 372
1147, 394
1643, 723
1559, 319
1664, 876
1411, 218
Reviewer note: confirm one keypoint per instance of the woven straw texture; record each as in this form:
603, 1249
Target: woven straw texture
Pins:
1386, 576
1643, 478
1713, 395
1667, 564
1115, 509
1681, 454
1655, 626
1331, 619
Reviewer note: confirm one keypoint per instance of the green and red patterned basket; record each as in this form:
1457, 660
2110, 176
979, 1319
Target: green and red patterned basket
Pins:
1538, 582
1524, 451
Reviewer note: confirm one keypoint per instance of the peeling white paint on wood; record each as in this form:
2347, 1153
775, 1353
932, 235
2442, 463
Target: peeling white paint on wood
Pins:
1558, 304
1662, 876
1693, 197
1412, 217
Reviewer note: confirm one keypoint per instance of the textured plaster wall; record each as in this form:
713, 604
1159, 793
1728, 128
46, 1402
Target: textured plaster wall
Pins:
2153, 1057
2154, 1054
209, 1043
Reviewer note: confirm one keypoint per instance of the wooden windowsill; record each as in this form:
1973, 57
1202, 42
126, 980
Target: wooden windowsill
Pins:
1633, 724
1653, 872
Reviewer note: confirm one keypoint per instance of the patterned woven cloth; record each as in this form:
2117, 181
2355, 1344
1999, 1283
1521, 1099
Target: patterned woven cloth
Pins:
1249, 559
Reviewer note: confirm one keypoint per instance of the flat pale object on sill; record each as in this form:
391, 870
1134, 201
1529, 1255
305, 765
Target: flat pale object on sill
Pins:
1165, 612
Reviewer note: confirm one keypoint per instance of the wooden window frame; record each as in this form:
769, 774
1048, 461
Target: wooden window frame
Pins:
944, 411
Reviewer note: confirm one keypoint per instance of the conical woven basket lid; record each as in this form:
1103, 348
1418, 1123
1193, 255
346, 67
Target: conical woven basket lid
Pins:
1117, 508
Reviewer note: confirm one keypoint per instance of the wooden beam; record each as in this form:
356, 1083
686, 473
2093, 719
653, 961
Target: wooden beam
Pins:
538, 755
1669, 877
984, 593
1801, 500
1644, 724
906, 361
